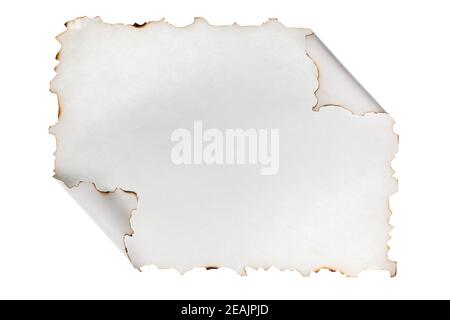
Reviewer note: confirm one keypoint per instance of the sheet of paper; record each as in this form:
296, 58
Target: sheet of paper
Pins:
223, 146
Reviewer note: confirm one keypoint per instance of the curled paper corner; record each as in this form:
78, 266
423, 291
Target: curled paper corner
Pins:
337, 86
110, 210
331, 80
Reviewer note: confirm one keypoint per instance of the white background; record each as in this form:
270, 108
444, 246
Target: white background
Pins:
399, 50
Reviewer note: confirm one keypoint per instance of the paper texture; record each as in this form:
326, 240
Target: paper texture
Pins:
223, 146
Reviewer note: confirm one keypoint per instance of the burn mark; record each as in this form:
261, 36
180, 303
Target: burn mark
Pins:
331, 269
211, 268
59, 107
317, 77
137, 25
66, 24
317, 108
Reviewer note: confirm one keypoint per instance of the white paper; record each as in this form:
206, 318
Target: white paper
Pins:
310, 189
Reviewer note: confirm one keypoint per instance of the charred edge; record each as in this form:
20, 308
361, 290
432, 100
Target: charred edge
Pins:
211, 268
394, 273
196, 19
57, 58
140, 25
303, 274
126, 249
331, 269
56, 150
59, 106
131, 234
389, 210
66, 24
315, 107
